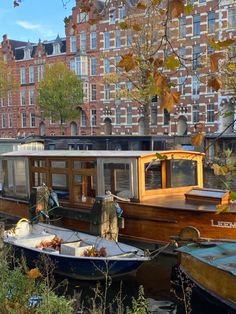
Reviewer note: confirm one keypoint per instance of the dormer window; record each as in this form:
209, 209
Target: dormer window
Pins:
56, 49
27, 53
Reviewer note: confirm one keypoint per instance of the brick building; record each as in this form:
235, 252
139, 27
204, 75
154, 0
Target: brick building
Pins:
92, 51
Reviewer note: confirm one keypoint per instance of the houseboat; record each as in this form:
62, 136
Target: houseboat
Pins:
161, 194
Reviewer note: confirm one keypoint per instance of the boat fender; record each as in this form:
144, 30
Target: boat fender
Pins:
22, 227
119, 210
53, 199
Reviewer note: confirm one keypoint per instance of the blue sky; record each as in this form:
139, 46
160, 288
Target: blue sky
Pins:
34, 19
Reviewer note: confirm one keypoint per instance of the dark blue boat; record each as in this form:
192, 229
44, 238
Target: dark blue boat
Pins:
78, 255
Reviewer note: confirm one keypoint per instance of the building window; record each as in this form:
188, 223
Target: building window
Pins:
82, 17
93, 92
196, 56
23, 119
9, 98
118, 115
117, 90
210, 113
117, 38
40, 72
93, 64
117, 60
83, 119
85, 91
182, 84
82, 65
122, 12
182, 26
106, 66
195, 87
107, 92
31, 96
211, 22
182, 55
154, 115
129, 37
196, 25
32, 120
93, 117
106, 40
83, 42
112, 16
210, 49
27, 53
93, 40
3, 120
72, 65
73, 44
31, 74
129, 115
56, 49
232, 17
195, 113
23, 98
166, 117
10, 124
22, 76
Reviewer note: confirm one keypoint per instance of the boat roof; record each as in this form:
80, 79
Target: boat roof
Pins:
93, 153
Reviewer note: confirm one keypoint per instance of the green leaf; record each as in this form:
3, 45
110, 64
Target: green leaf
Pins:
188, 9
172, 63
228, 114
161, 157
233, 196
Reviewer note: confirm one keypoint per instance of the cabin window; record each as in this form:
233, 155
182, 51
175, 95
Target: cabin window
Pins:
117, 179
153, 175
181, 173
60, 185
39, 163
39, 178
58, 164
84, 188
84, 164
15, 181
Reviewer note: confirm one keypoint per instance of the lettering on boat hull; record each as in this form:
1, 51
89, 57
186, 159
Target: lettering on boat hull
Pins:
223, 224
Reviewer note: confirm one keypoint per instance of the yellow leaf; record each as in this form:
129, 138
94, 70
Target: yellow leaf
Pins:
161, 81
214, 59
176, 8
222, 208
231, 66
141, 6
218, 45
166, 101
188, 9
136, 27
124, 25
197, 139
215, 83
172, 62
156, 2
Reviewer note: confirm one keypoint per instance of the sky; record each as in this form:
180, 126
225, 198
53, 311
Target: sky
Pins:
34, 19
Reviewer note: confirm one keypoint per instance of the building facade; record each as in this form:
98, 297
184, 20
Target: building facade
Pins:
93, 50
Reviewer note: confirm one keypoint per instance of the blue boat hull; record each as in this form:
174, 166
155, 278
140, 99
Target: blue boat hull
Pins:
81, 268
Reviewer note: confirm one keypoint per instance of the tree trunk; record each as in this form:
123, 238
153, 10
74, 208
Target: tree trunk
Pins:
146, 115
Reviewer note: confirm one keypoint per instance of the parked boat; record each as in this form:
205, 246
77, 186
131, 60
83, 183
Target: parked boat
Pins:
74, 254
160, 194
211, 266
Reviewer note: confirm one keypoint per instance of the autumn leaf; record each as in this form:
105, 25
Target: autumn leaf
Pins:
231, 66
136, 27
197, 139
218, 45
34, 273
158, 63
128, 62
172, 62
214, 59
215, 83
220, 170
161, 81
124, 25
93, 21
176, 97
222, 208
233, 196
188, 9
167, 101
156, 2
141, 6
75, 28
176, 8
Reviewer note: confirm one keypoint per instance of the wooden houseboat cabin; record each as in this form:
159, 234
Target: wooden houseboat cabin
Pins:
165, 190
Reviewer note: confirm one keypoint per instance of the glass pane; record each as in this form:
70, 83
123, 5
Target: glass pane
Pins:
39, 163
20, 177
58, 164
153, 175
84, 164
60, 185
117, 179
183, 173
8, 186
39, 178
